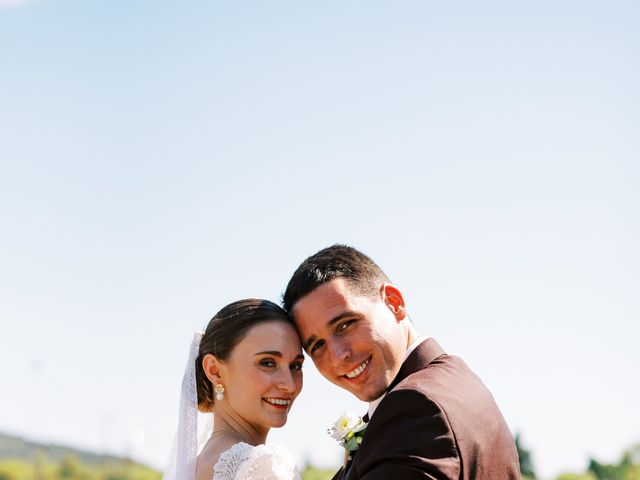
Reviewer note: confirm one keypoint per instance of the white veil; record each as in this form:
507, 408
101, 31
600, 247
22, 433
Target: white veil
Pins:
187, 444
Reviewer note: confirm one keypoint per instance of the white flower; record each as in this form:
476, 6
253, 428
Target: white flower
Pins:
346, 428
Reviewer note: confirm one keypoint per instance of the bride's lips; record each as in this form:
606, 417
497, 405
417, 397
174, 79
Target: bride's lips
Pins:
278, 402
358, 373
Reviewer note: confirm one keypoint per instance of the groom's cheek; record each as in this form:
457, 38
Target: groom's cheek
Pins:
327, 373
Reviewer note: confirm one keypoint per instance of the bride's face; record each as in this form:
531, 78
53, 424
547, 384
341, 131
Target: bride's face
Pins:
263, 374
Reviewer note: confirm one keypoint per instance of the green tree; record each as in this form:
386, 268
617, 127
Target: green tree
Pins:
69, 467
16, 469
526, 462
576, 476
313, 473
625, 469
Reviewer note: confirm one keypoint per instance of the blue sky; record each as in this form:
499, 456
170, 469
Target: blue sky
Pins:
161, 159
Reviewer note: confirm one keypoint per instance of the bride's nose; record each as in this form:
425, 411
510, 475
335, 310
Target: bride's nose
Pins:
286, 382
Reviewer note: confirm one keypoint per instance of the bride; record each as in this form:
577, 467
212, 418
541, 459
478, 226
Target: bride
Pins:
245, 371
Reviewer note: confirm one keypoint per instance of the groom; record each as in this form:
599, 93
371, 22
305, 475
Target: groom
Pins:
430, 416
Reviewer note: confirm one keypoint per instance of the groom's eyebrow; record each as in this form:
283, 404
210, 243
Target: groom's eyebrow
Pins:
330, 324
308, 343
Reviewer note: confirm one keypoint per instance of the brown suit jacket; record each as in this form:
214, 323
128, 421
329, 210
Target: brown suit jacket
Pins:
437, 421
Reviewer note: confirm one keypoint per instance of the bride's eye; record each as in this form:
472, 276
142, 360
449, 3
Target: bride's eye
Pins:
296, 367
267, 362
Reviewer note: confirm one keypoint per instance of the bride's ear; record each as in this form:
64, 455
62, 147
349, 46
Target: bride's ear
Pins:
211, 368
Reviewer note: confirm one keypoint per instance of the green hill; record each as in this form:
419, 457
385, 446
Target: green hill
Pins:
22, 459
19, 448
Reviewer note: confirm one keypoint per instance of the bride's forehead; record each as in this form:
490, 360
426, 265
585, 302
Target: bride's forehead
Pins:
271, 334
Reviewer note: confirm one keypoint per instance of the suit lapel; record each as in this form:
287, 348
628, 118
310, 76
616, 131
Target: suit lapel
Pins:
420, 358
423, 355
340, 474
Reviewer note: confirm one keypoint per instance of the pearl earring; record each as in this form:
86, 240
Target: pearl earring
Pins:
219, 391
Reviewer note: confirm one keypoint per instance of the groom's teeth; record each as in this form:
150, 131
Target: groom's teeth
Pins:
277, 401
359, 370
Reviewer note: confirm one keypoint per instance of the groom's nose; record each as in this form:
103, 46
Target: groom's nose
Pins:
339, 352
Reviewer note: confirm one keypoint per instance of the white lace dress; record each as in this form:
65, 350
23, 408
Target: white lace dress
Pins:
264, 462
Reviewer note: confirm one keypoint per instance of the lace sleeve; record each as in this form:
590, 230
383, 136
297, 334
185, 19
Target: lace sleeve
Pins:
230, 461
268, 462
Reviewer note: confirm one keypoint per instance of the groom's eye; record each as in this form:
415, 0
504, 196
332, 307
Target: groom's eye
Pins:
316, 345
345, 325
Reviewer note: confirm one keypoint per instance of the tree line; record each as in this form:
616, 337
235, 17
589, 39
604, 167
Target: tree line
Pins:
71, 467
626, 468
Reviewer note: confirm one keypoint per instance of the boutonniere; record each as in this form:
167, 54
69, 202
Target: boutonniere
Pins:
348, 431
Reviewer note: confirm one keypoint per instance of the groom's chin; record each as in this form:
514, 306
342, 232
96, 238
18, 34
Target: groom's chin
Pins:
370, 394
367, 397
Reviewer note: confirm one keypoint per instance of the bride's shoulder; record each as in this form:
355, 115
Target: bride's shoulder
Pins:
230, 460
268, 462
243, 461
220, 456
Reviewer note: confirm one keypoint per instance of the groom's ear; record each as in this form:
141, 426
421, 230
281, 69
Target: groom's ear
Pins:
211, 367
394, 300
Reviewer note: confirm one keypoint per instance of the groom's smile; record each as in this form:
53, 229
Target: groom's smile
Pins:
355, 341
359, 370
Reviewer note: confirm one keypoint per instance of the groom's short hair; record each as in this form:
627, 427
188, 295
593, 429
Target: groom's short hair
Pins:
362, 274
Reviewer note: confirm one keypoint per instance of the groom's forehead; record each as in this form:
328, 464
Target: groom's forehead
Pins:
316, 321
327, 295
318, 308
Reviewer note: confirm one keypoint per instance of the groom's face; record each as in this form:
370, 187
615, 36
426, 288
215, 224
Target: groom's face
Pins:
355, 341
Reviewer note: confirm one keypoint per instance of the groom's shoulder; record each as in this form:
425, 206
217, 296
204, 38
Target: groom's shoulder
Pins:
446, 388
442, 415
450, 383
441, 375
449, 389
446, 407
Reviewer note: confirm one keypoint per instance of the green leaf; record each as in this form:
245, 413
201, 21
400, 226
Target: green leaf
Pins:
351, 445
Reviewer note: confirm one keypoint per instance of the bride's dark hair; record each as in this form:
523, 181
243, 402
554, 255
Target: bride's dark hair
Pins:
225, 330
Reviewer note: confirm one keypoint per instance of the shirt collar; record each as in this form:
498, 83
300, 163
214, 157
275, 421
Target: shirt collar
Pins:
374, 404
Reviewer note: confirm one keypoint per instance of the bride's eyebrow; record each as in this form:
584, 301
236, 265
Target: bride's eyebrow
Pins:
278, 354
270, 352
